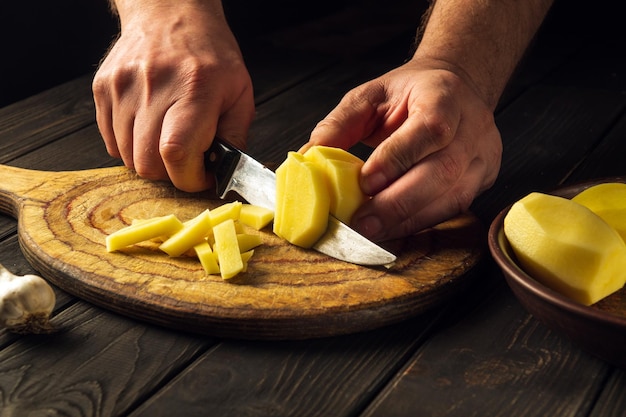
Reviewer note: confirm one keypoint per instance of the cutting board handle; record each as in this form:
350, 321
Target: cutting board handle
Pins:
17, 183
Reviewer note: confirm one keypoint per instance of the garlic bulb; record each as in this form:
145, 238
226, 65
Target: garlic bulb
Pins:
26, 302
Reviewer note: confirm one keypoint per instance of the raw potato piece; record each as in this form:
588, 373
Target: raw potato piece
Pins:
227, 249
302, 201
608, 201
193, 233
245, 257
255, 216
142, 231
225, 212
232, 248
247, 242
343, 171
567, 247
207, 258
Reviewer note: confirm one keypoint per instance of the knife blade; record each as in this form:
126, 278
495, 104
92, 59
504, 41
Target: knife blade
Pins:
236, 171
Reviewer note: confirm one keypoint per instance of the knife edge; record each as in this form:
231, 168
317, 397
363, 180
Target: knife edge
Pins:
236, 171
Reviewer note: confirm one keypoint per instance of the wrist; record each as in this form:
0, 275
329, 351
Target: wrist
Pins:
143, 12
480, 41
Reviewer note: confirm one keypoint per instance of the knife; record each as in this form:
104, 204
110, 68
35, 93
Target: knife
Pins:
236, 171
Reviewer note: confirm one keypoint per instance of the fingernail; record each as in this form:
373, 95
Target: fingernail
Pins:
369, 226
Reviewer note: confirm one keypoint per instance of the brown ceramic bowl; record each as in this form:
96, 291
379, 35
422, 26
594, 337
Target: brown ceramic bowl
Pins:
599, 329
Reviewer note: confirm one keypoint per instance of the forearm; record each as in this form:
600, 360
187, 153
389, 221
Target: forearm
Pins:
127, 10
482, 39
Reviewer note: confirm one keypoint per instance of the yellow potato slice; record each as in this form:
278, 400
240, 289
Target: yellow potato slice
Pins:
343, 171
226, 211
245, 257
193, 233
143, 230
207, 258
328, 152
567, 247
255, 216
227, 249
302, 201
247, 241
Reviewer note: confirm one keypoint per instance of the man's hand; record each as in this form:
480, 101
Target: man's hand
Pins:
431, 120
173, 80
437, 147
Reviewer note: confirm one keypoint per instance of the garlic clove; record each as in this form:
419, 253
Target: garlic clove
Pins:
26, 303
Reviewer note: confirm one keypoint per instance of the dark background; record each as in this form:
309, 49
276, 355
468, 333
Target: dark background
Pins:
45, 43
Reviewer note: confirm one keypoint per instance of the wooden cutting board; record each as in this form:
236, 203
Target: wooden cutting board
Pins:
287, 292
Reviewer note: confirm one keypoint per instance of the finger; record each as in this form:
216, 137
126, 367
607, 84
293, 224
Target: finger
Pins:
234, 124
381, 221
146, 138
421, 135
188, 130
400, 205
123, 109
104, 115
354, 118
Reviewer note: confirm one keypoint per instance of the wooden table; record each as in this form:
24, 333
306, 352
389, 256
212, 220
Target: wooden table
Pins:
562, 120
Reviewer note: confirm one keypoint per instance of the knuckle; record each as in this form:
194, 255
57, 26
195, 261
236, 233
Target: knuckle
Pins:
438, 128
448, 170
173, 153
462, 201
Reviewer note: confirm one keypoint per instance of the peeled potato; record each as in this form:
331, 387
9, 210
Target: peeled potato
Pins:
567, 247
302, 201
342, 173
608, 201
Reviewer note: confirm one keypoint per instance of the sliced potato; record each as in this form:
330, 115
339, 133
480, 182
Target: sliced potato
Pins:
255, 216
227, 248
225, 212
207, 258
248, 241
302, 201
143, 230
193, 233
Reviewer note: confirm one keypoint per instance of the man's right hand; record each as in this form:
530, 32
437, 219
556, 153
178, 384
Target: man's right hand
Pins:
173, 80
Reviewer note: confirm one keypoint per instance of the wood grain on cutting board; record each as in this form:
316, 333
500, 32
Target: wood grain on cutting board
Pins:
287, 292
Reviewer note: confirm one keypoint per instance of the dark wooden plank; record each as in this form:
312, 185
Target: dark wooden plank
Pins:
607, 159
33, 122
83, 149
499, 361
612, 402
324, 377
98, 364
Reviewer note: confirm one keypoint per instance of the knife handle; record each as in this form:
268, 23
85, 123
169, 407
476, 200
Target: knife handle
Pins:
221, 159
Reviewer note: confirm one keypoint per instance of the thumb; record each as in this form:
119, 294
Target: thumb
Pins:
351, 121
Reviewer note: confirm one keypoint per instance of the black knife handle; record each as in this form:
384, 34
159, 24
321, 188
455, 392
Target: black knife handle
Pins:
221, 159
